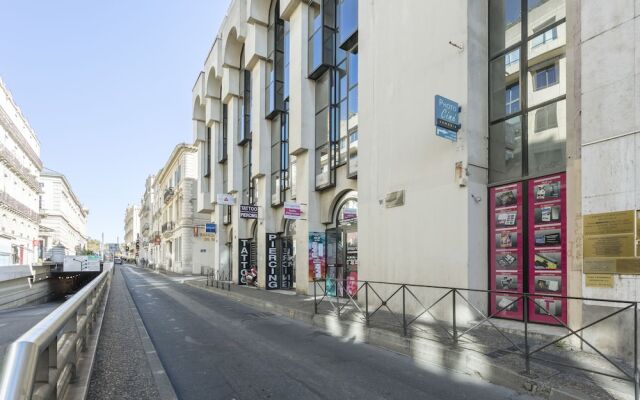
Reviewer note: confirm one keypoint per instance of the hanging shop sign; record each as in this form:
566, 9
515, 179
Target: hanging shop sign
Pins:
507, 249
248, 212
548, 248
272, 261
317, 258
447, 118
349, 214
292, 210
225, 199
244, 260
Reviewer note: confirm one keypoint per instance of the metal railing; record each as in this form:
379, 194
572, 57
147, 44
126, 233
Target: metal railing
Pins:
371, 300
43, 361
20, 170
19, 208
218, 279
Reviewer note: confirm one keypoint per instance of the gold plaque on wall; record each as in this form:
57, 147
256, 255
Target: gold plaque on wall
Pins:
612, 223
609, 246
598, 280
603, 266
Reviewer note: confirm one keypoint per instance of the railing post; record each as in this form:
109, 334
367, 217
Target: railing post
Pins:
527, 360
404, 312
338, 297
455, 325
366, 302
315, 300
636, 382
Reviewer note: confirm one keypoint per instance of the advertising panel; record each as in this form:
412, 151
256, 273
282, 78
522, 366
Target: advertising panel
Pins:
248, 211
317, 260
547, 248
273, 263
244, 260
506, 249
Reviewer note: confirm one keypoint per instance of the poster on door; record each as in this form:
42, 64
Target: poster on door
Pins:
317, 258
273, 262
548, 248
506, 250
244, 260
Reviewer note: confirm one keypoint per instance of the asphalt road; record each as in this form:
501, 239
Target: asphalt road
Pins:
216, 348
16, 321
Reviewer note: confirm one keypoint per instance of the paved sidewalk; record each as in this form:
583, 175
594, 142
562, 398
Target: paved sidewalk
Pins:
121, 368
484, 353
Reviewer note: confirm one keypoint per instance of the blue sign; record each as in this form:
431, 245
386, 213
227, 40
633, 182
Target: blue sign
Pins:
210, 228
447, 118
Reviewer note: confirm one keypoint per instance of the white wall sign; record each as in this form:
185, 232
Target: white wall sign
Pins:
225, 199
292, 210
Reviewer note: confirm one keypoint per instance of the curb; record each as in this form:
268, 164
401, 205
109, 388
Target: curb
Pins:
163, 384
435, 353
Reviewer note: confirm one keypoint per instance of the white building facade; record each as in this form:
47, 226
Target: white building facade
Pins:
467, 163
20, 167
146, 221
64, 218
179, 246
131, 231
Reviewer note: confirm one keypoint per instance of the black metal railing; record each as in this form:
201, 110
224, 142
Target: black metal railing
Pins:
168, 226
386, 304
219, 279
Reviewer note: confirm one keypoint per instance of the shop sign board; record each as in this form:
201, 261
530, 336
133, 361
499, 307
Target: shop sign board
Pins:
349, 214
272, 261
225, 199
248, 211
599, 280
292, 210
244, 260
447, 118
210, 228
317, 257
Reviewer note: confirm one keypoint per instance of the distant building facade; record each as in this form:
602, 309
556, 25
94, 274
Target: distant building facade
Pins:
20, 167
64, 218
147, 236
131, 230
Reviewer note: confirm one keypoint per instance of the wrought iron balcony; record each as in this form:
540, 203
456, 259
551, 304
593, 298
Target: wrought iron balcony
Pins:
168, 194
14, 165
168, 226
19, 208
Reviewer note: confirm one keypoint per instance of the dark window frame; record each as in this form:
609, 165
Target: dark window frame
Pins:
323, 35
222, 151
207, 153
525, 108
274, 89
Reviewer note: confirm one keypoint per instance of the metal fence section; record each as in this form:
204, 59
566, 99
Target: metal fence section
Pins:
42, 362
218, 279
413, 308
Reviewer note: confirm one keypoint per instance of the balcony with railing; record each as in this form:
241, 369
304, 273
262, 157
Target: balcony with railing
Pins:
17, 207
168, 227
168, 194
14, 165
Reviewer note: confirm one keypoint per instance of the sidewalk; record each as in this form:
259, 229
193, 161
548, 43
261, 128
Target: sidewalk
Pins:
121, 368
485, 353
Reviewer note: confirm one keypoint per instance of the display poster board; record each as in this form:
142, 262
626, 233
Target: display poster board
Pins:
317, 256
547, 224
506, 243
273, 263
244, 260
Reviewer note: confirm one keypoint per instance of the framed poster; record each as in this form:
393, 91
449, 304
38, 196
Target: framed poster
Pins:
317, 258
506, 249
547, 248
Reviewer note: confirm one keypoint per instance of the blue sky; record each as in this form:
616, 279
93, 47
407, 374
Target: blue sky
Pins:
106, 85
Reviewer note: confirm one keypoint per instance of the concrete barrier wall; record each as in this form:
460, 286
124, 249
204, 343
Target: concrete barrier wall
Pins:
15, 289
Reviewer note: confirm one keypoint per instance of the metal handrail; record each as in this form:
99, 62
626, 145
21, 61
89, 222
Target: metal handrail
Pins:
42, 362
526, 351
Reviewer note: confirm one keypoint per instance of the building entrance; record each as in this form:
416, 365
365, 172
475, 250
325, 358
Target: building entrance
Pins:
342, 251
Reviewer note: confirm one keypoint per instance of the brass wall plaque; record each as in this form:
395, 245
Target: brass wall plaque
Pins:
612, 223
598, 280
609, 246
628, 266
603, 266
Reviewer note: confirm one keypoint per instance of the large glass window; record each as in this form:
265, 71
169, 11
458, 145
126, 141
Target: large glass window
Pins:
275, 89
322, 131
275, 161
348, 22
222, 142
206, 154
322, 23
527, 134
